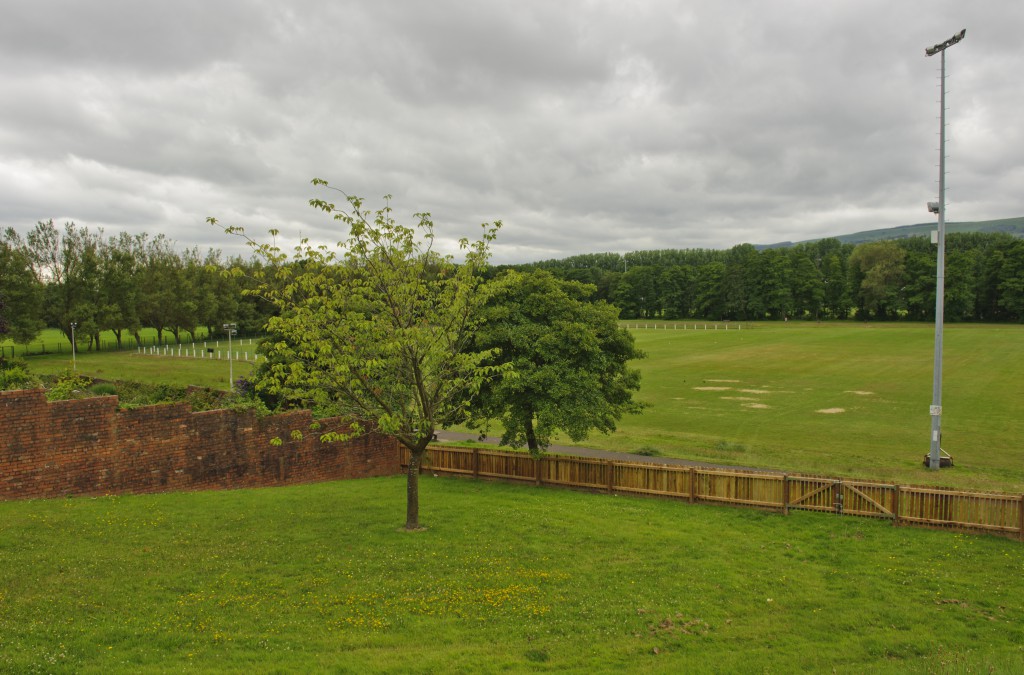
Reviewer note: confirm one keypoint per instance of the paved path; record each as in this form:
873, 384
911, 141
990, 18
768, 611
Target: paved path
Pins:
455, 436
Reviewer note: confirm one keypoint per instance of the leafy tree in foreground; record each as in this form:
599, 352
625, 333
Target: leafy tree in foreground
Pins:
569, 356
378, 327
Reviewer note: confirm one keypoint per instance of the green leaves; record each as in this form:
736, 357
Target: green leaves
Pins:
379, 324
378, 327
568, 360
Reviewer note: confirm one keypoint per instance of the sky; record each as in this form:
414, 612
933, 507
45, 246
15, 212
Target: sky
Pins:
583, 126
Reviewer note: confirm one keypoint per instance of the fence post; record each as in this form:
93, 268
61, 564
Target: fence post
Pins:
896, 506
476, 462
610, 465
536, 470
785, 494
1020, 518
693, 483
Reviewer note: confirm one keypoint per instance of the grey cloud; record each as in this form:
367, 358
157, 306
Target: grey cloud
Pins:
584, 126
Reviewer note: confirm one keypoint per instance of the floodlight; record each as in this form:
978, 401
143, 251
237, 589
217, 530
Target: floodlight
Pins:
932, 51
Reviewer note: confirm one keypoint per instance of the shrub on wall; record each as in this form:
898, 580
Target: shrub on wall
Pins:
14, 374
69, 385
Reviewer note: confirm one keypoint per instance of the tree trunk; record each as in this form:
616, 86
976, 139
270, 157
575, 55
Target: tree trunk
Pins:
531, 437
412, 485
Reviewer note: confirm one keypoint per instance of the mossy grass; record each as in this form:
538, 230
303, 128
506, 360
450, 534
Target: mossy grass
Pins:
507, 578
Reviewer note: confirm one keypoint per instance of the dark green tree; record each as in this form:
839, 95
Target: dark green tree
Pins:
21, 313
1010, 281
120, 279
159, 295
678, 291
569, 356
68, 264
877, 270
806, 283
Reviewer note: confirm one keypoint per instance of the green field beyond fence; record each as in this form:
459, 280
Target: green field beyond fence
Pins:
902, 504
243, 349
53, 341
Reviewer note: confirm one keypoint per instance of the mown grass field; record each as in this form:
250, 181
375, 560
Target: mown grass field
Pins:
54, 340
848, 399
163, 368
319, 578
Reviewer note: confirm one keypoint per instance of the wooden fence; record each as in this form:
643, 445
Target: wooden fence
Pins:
904, 505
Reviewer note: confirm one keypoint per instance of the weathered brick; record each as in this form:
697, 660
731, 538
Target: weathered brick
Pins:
89, 447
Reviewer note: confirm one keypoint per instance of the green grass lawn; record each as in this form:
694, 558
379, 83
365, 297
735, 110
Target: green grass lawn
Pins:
159, 368
506, 578
753, 397
54, 340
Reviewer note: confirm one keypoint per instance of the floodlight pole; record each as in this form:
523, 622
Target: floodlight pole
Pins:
74, 359
935, 450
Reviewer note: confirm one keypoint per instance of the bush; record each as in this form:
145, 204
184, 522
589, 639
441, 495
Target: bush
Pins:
14, 374
247, 403
68, 385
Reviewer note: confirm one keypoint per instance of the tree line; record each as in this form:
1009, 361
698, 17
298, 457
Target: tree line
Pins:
827, 279
59, 277
56, 277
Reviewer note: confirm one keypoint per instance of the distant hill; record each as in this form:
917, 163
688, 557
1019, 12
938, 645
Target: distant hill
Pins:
1014, 226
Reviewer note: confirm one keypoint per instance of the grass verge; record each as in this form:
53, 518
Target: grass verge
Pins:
507, 577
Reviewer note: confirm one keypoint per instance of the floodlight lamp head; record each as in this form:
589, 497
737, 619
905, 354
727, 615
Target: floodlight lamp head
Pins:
932, 51
933, 207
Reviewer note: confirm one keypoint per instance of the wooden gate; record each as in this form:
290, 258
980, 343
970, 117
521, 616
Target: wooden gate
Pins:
875, 500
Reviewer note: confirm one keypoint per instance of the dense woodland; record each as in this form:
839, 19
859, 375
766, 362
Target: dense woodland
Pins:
53, 277
885, 280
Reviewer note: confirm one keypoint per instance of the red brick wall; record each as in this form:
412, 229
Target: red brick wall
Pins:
89, 447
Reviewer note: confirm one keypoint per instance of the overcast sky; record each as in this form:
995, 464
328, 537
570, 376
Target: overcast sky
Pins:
584, 126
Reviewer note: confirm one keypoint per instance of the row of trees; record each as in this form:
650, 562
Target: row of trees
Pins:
883, 280
56, 277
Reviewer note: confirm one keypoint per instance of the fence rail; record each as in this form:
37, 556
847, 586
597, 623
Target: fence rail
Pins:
904, 505
634, 324
127, 344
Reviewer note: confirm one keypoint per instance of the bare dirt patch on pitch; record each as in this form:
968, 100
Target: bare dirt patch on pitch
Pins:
831, 411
